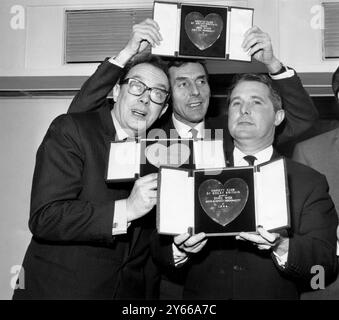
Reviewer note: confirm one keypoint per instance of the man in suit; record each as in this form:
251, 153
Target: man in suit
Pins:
190, 91
91, 238
264, 265
190, 97
322, 154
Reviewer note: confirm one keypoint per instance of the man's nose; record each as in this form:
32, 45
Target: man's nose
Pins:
145, 98
194, 90
245, 108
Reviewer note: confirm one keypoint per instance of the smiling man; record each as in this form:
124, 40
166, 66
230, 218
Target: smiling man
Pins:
91, 238
265, 265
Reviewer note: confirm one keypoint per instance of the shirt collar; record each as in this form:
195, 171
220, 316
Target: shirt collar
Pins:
120, 132
184, 129
262, 156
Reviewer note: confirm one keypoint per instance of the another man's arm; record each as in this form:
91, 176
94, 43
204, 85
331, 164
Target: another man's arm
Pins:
94, 91
300, 111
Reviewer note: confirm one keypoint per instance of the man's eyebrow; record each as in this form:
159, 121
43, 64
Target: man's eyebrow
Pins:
181, 78
258, 97
157, 85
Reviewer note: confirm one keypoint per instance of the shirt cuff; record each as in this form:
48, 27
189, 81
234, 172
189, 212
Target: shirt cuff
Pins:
113, 61
282, 260
289, 73
120, 223
179, 257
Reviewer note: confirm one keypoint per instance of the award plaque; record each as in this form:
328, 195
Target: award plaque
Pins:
202, 31
223, 202
129, 160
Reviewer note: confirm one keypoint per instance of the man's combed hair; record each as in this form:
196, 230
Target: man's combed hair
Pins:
175, 62
153, 60
257, 77
335, 83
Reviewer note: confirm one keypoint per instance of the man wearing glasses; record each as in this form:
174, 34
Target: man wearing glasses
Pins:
90, 238
190, 95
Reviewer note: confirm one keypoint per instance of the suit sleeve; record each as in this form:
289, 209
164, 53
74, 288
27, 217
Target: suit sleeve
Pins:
314, 241
93, 93
300, 112
57, 213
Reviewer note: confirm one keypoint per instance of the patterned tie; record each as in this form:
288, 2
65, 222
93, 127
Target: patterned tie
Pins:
194, 133
250, 160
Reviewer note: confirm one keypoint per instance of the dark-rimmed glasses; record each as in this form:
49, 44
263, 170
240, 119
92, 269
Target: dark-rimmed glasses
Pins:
137, 88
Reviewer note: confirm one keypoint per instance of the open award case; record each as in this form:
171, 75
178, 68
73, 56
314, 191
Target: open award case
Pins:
202, 31
223, 202
128, 160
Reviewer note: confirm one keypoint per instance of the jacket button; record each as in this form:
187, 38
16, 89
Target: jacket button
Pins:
237, 268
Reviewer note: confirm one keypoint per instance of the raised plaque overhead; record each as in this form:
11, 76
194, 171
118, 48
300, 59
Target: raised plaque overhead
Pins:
202, 31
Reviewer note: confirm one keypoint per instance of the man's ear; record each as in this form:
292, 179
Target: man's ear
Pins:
163, 110
279, 117
116, 92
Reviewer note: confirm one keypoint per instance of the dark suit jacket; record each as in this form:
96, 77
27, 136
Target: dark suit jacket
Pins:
299, 108
72, 254
322, 154
231, 269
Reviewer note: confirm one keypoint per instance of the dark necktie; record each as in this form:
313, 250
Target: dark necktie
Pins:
250, 159
194, 133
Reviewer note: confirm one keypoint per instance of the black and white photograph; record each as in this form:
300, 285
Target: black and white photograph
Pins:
160, 152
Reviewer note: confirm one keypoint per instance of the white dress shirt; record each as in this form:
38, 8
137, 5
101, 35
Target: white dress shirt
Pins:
184, 129
120, 223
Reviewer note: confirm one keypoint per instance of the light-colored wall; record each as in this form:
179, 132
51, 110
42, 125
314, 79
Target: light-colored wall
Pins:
23, 124
37, 49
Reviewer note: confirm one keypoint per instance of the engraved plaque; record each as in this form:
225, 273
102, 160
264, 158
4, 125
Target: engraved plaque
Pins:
203, 31
223, 202
174, 156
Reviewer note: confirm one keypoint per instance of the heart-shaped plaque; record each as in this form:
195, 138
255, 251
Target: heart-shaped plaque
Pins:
223, 203
203, 31
174, 156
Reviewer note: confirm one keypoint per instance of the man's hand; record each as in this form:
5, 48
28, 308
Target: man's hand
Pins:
190, 244
259, 45
266, 240
144, 34
143, 197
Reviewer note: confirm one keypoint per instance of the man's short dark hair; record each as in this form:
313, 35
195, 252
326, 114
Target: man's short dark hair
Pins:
262, 78
153, 60
335, 83
175, 62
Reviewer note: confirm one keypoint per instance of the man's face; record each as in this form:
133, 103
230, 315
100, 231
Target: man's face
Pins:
138, 113
190, 92
251, 116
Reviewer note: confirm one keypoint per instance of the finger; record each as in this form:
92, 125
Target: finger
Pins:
147, 32
251, 30
151, 22
148, 178
270, 237
264, 247
181, 238
253, 238
252, 39
193, 240
197, 247
256, 49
